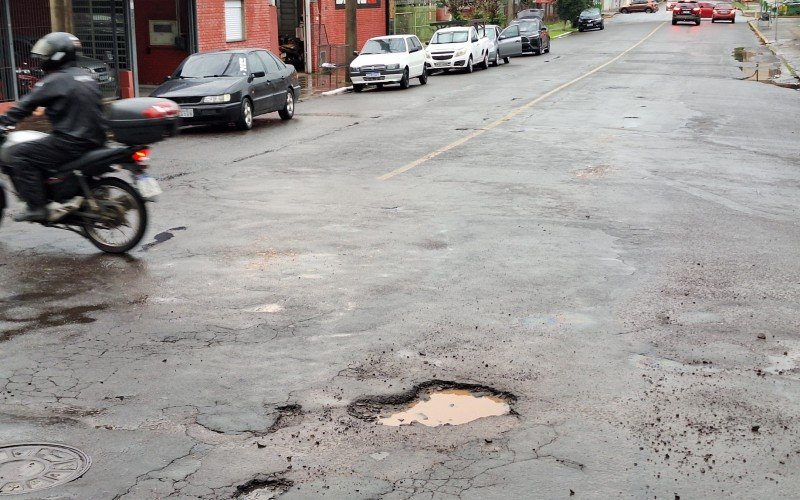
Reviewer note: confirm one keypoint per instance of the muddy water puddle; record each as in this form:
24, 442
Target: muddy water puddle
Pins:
757, 63
448, 407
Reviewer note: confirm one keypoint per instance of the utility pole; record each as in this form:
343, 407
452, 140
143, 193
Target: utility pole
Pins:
510, 11
776, 21
351, 33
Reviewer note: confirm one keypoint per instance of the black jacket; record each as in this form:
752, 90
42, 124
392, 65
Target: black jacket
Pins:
74, 106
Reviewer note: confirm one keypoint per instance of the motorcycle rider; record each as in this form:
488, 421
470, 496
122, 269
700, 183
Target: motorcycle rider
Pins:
73, 103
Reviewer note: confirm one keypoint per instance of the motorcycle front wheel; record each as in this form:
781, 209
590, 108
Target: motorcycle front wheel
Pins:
122, 216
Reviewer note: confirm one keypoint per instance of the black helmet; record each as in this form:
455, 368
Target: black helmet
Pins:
56, 50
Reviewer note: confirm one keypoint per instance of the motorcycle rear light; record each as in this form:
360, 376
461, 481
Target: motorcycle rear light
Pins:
161, 110
141, 157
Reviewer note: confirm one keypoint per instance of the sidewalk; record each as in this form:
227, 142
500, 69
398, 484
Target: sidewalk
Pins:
786, 47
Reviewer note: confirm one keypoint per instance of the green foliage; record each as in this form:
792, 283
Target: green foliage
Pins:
455, 6
568, 10
490, 10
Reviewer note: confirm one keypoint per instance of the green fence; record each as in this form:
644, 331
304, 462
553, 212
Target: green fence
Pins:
415, 20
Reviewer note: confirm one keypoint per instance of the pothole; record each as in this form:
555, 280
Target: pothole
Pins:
757, 64
31, 467
263, 487
433, 404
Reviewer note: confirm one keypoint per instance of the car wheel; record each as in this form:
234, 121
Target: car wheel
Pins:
580, 30
469, 69
697, 23
485, 63
358, 87
733, 21
624, 11
245, 121
602, 26
404, 80
674, 22
423, 78
648, 10
288, 108
506, 60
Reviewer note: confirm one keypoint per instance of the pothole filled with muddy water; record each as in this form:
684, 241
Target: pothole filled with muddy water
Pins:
434, 404
757, 63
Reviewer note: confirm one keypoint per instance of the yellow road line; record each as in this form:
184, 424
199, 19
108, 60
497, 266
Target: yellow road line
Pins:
509, 116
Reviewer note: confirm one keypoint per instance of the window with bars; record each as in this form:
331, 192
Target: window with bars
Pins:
234, 20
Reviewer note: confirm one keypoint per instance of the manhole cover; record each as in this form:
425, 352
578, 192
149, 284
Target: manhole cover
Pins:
29, 467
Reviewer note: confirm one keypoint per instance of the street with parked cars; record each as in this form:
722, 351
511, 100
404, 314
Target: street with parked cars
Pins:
570, 276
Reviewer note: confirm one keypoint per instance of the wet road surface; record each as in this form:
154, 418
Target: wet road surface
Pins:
617, 259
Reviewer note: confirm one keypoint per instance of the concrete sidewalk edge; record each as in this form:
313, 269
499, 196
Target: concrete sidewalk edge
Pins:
767, 44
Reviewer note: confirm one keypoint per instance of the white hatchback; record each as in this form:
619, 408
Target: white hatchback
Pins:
389, 59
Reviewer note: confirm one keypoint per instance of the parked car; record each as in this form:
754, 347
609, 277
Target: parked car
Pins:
535, 37
590, 19
389, 59
686, 12
503, 44
706, 9
232, 86
639, 6
723, 12
457, 48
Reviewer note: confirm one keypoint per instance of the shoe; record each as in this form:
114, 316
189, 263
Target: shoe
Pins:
32, 215
57, 211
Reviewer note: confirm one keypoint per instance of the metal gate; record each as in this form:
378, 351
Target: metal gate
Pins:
99, 24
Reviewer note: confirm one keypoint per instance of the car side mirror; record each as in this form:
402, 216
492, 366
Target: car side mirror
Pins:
168, 78
501, 37
259, 74
355, 53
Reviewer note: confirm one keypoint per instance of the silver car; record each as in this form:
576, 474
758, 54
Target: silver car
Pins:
492, 32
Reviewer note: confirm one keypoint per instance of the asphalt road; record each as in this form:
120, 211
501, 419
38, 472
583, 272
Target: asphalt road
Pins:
604, 232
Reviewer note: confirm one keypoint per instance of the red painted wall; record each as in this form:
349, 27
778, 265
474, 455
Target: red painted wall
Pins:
260, 25
156, 62
370, 22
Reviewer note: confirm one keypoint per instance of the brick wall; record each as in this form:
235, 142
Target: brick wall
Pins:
260, 26
371, 22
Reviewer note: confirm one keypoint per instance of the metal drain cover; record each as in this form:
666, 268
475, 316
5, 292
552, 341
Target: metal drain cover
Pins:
29, 467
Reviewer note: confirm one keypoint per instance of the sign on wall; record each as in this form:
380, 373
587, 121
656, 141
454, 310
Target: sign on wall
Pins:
163, 32
362, 4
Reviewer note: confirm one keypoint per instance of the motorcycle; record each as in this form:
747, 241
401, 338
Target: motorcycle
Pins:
102, 195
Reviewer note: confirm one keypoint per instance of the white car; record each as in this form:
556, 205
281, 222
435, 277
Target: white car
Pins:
389, 59
457, 48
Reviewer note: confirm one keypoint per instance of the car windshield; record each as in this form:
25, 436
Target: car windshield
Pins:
384, 46
490, 33
526, 26
450, 37
211, 65
723, 6
590, 13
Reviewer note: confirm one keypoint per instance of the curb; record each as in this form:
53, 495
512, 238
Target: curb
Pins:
340, 90
764, 42
562, 35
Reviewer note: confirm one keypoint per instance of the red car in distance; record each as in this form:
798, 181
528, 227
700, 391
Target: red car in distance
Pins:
723, 12
706, 9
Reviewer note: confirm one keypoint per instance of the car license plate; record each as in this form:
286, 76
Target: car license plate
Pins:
187, 113
373, 75
147, 187
687, 12
441, 64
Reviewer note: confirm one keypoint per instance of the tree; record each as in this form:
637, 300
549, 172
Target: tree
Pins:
488, 9
569, 10
455, 6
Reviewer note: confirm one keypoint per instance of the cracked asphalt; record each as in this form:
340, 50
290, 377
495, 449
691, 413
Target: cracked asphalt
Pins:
620, 257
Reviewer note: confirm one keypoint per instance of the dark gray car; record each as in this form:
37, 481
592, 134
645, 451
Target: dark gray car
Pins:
232, 86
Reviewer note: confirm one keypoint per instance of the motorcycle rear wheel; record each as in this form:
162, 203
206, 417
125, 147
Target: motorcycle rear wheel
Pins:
121, 207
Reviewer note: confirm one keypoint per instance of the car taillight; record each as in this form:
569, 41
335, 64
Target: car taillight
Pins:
162, 110
141, 157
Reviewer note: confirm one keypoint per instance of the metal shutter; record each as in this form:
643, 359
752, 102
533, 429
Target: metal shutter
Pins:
234, 21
